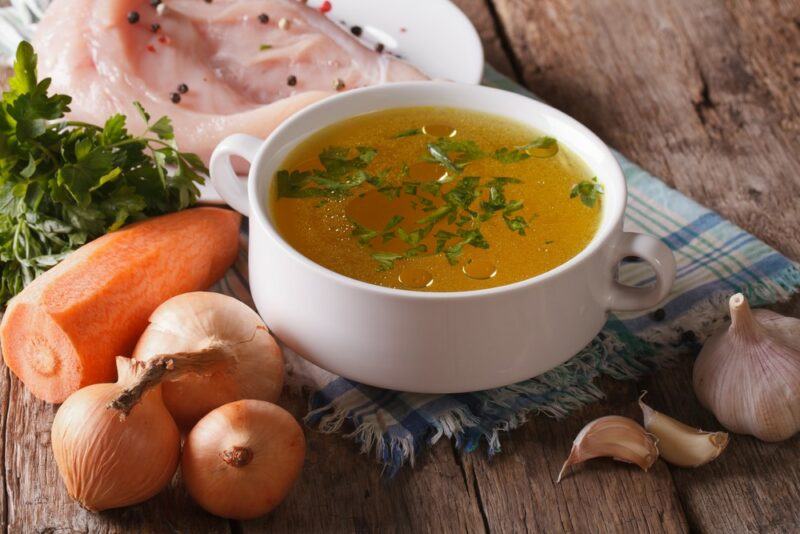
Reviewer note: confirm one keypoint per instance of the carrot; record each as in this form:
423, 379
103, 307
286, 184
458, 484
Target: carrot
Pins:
63, 331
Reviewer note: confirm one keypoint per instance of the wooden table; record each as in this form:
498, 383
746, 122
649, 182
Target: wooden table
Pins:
705, 94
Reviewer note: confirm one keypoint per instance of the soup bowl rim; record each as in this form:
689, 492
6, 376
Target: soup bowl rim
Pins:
612, 180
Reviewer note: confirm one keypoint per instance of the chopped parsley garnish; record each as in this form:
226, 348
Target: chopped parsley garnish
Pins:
386, 259
454, 154
588, 191
338, 176
540, 142
64, 183
265, 47
455, 210
520, 153
408, 133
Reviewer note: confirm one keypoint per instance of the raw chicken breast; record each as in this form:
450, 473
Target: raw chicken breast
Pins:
236, 67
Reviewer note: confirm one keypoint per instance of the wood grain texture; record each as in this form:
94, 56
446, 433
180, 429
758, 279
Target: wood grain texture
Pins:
702, 93
519, 490
705, 95
344, 491
481, 13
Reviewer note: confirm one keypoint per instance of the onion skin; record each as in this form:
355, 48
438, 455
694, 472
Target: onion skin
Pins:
107, 462
241, 459
189, 322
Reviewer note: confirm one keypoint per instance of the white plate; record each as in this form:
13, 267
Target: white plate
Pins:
433, 35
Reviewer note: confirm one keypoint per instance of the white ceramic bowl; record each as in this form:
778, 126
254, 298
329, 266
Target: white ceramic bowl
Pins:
436, 342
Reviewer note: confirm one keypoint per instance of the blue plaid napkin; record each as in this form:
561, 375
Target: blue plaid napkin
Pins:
715, 259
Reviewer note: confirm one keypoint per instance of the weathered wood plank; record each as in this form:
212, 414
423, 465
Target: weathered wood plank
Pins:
341, 490
703, 97
479, 12
5, 390
704, 94
519, 492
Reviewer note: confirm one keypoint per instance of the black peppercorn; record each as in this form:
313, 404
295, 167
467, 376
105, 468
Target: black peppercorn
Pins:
155, 27
133, 17
379, 47
658, 315
175, 97
155, 3
183, 88
291, 80
356, 30
263, 18
689, 337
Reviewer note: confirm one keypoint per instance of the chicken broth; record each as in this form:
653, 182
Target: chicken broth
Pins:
435, 199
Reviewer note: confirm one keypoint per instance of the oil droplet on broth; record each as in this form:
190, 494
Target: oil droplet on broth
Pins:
439, 130
480, 268
543, 152
414, 278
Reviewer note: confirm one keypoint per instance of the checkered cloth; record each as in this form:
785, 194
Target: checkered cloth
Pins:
715, 259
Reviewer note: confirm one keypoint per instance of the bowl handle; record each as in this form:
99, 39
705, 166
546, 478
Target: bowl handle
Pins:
660, 258
230, 187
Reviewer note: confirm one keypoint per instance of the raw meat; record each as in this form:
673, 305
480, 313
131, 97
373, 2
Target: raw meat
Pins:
237, 68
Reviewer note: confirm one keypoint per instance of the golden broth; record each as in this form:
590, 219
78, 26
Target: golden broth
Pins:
435, 199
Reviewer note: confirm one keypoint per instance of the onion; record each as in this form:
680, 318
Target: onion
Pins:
194, 321
117, 444
108, 461
241, 460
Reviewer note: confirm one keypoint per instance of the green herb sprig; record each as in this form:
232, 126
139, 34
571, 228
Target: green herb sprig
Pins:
454, 155
588, 191
521, 153
339, 175
64, 183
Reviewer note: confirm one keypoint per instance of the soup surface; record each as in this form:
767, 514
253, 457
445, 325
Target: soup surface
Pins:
435, 199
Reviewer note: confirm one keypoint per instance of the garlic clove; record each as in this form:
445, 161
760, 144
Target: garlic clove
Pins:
680, 444
616, 437
748, 374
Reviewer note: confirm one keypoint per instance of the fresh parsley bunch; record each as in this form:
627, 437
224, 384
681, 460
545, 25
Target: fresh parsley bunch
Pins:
64, 183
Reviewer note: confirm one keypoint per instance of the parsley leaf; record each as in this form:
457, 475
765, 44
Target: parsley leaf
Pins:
454, 155
64, 183
588, 190
386, 259
362, 233
408, 133
341, 173
548, 146
510, 155
540, 142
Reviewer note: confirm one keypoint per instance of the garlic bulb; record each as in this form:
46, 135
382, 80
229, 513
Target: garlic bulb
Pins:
616, 437
680, 444
748, 375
